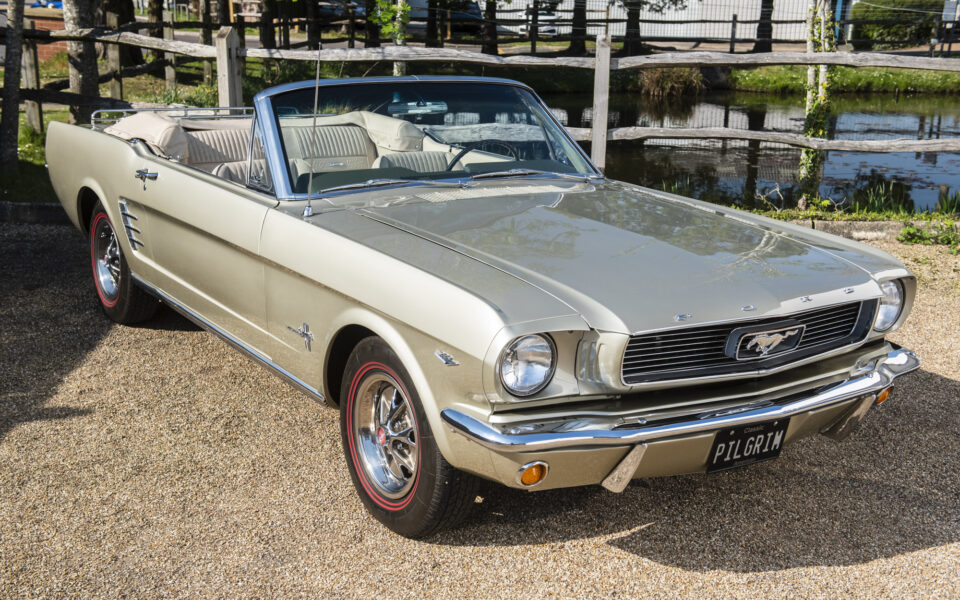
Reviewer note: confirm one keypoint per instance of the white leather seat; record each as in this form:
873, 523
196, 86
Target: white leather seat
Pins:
208, 148
422, 162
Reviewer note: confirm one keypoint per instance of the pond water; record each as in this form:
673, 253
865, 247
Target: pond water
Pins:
759, 174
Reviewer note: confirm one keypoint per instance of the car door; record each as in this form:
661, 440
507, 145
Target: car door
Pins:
204, 235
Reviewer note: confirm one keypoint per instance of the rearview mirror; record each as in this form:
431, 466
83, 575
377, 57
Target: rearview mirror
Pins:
423, 107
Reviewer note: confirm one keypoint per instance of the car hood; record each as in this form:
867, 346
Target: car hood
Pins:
626, 258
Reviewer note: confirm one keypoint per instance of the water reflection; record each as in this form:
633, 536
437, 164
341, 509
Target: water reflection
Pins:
758, 174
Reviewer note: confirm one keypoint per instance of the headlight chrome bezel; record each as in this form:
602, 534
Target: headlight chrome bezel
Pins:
893, 299
512, 346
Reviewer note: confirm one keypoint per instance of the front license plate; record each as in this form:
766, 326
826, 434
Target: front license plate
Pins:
746, 445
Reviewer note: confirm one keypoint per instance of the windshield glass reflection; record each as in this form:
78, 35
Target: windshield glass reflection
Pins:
407, 131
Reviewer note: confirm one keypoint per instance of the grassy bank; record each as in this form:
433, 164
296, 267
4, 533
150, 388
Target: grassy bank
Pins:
791, 79
31, 183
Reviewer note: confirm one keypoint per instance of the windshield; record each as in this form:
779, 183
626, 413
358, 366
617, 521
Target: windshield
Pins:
417, 131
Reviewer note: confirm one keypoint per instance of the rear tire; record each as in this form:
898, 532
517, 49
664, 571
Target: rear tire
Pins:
394, 462
120, 297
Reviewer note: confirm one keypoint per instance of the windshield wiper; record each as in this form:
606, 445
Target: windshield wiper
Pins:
528, 172
370, 183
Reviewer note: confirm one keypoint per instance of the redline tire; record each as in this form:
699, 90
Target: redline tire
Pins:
394, 463
119, 296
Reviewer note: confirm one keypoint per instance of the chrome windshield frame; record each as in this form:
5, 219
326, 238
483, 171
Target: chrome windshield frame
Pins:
263, 107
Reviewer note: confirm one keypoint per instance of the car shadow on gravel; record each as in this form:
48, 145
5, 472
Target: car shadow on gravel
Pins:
887, 490
49, 319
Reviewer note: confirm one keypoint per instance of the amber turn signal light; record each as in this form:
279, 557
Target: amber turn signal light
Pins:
532, 473
882, 396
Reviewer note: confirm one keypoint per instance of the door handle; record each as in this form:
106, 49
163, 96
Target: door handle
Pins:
143, 175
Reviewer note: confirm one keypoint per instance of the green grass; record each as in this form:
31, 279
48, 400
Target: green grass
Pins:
791, 79
30, 183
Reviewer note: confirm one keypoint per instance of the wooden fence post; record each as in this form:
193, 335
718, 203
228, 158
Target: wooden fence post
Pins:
113, 59
228, 67
170, 71
733, 34
31, 80
601, 95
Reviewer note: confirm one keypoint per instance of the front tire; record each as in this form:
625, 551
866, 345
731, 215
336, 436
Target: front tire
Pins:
394, 462
120, 297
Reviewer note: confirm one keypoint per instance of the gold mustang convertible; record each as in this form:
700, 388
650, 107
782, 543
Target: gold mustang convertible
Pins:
439, 260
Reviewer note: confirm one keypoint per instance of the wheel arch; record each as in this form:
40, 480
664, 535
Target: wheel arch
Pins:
357, 323
87, 199
342, 344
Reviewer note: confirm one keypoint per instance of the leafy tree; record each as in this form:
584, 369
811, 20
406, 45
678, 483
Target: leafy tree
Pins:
489, 45
129, 55
632, 42
578, 41
154, 15
764, 28
911, 25
433, 36
268, 33
371, 27
78, 14
10, 119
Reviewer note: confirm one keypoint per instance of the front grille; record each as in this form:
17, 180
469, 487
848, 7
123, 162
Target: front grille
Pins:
699, 351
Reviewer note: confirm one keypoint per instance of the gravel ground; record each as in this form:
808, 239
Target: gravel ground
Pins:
158, 462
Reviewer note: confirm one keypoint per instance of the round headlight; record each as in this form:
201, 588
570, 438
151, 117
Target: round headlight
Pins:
527, 364
891, 303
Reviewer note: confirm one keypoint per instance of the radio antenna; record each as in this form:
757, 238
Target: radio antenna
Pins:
308, 209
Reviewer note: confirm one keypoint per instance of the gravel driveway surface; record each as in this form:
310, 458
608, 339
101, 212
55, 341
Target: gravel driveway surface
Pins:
158, 462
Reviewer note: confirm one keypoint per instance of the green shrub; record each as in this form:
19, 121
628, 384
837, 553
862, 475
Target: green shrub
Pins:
941, 233
912, 29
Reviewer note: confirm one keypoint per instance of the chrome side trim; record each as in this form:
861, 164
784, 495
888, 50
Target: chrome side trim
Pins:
126, 217
872, 378
250, 352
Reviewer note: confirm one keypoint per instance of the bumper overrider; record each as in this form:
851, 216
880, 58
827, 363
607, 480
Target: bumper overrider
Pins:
609, 453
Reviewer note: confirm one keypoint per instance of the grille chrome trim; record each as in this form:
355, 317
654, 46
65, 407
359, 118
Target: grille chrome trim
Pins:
698, 352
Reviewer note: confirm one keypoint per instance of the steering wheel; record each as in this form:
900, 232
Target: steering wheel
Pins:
482, 144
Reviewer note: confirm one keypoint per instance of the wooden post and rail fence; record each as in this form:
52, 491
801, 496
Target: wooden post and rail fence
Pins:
228, 53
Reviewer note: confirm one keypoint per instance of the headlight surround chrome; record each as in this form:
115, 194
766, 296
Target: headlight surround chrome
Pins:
891, 305
527, 364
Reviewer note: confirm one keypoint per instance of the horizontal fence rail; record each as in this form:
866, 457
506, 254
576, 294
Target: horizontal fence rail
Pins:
416, 54
583, 134
228, 51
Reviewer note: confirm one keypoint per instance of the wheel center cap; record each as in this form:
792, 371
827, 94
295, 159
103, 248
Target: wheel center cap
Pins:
382, 436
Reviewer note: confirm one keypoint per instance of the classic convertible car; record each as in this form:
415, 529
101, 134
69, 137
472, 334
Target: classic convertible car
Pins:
439, 260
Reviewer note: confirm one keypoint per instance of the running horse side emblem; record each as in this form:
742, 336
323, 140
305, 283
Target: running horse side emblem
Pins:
764, 343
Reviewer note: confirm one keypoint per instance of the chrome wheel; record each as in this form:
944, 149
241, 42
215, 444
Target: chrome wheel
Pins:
106, 256
386, 435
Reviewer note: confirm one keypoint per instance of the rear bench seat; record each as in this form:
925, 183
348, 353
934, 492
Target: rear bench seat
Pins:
204, 144
211, 143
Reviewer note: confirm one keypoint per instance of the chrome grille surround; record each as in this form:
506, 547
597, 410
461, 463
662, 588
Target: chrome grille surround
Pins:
693, 352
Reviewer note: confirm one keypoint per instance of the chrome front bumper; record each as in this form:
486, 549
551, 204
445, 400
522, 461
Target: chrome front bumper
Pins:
865, 380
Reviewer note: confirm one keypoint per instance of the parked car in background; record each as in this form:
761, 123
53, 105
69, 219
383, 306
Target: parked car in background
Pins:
441, 262
546, 24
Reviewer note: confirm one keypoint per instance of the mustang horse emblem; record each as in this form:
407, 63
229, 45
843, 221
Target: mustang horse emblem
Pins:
764, 342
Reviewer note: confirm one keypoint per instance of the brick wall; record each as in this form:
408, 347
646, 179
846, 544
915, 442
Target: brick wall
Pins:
47, 19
